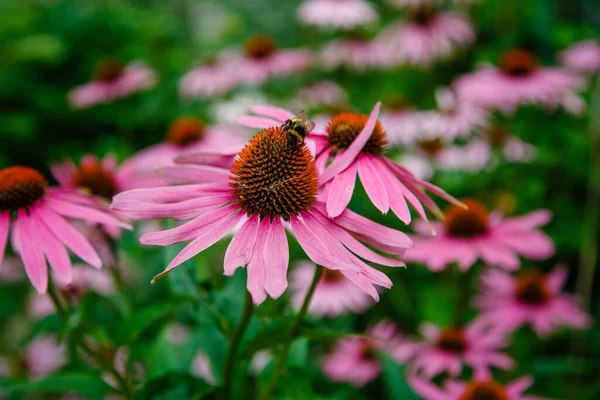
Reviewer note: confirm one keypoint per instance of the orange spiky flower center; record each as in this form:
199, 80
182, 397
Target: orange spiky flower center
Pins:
452, 339
93, 176
260, 46
185, 130
466, 223
108, 70
486, 390
432, 146
271, 178
532, 288
518, 62
345, 127
20, 187
423, 15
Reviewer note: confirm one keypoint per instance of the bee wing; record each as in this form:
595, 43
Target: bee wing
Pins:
302, 115
310, 125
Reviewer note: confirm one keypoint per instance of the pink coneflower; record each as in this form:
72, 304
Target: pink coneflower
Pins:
44, 356
483, 386
112, 80
532, 298
354, 53
83, 281
428, 37
321, 93
520, 80
402, 122
466, 235
448, 350
454, 118
582, 57
355, 144
334, 295
271, 184
185, 134
354, 359
214, 77
342, 14
40, 231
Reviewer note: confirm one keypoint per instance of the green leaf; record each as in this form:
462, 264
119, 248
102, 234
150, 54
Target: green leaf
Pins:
296, 385
174, 386
395, 380
136, 324
85, 383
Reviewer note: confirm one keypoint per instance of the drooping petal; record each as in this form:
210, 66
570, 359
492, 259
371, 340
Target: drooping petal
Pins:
185, 174
168, 194
276, 113
370, 178
276, 256
4, 227
31, 253
55, 251
342, 162
395, 196
69, 236
183, 210
257, 269
206, 238
252, 121
340, 191
84, 213
239, 251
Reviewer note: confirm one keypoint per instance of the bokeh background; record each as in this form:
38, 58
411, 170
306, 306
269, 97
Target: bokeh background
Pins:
48, 47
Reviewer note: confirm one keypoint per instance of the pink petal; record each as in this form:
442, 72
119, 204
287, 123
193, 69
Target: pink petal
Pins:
427, 390
340, 191
55, 251
395, 196
80, 212
276, 256
498, 256
205, 158
517, 387
180, 174
68, 236
251, 121
369, 177
239, 252
4, 227
31, 252
207, 238
184, 210
276, 113
257, 268
342, 162
168, 194
557, 278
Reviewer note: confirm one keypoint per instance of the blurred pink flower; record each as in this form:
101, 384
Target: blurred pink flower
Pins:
446, 350
466, 235
44, 356
270, 185
185, 134
430, 36
212, 78
40, 231
402, 122
334, 295
532, 298
520, 80
454, 118
582, 57
354, 53
343, 14
355, 143
481, 387
201, 368
321, 93
83, 280
354, 359
112, 80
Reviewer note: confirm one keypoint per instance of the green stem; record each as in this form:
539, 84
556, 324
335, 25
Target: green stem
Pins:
234, 344
282, 360
101, 362
463, 288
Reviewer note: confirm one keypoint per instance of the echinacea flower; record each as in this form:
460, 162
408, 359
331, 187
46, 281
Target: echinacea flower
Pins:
469, 234
271, 184
532, 298
520, 80
40, 230
112, 80
402, 122
454, 117
428, 37
213, 77
354, 359
334, 295
448, 349
582, 57
482, 386
185, 134
83, 280
342, 14
355, 144
356, 53
321, 93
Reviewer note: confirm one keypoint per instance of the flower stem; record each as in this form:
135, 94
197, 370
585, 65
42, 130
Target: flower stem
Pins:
101, 362
463, 288
282, 360
234, 344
